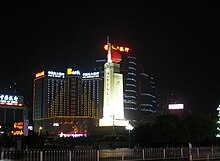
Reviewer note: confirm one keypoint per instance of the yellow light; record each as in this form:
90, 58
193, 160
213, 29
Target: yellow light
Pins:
113, 47
106, 47
18, 125
17, 132
126, 49
40, 74
69, 71
119, 48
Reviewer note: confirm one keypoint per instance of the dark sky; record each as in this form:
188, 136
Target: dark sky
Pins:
177, 42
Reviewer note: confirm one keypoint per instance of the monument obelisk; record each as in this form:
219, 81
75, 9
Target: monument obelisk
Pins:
113, 108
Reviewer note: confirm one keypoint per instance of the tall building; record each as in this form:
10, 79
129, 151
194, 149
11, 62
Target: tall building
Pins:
48, 99
130, 71
148, 98
67, 104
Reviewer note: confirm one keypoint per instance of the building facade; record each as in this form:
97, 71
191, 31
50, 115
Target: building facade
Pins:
48, 99
130, 71
12, 112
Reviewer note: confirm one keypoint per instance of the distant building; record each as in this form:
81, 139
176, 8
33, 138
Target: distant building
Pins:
130, 70
148, 98
12, 109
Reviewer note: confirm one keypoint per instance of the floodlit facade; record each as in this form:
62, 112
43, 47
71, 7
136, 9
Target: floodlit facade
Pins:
67, 104
48, 99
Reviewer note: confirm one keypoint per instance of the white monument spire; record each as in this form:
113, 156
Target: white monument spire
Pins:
109, 60
113, 104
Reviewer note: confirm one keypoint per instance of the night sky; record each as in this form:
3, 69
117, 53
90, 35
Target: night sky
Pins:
177, 42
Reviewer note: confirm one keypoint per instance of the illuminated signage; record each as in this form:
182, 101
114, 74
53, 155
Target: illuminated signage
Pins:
18, 128
71, 72
30, 128
40, 74
77, 72
11, 100
72, 135
56, 74
119, 48
56, 124
176, 107
91, 75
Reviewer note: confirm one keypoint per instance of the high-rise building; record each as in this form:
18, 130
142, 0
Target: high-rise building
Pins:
67, 104
48, 99
130, 71
147, 98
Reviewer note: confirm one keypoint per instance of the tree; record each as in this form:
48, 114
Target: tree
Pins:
202, 128
171, 130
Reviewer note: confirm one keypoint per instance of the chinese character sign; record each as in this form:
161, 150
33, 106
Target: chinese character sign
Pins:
11, 100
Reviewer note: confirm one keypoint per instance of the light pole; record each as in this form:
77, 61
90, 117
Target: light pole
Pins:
39, 130
129, 128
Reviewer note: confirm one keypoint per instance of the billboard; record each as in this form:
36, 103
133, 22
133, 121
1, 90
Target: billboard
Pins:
175, 106
53, 74
11, 100
70, 71
90, 75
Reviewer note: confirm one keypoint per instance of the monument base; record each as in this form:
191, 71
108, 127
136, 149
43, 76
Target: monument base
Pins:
110, 122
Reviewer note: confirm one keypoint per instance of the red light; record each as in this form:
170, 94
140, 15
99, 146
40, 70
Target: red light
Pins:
118, 48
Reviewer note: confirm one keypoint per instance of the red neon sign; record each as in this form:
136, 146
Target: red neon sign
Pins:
119, 48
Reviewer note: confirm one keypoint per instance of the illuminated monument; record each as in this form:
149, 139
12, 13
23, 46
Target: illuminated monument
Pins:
113, 109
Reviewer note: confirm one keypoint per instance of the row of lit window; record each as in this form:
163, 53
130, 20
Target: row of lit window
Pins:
131, 85
133, 91
148, 94
130, 108
131, 79
130, 102
126, 96
129, 73
131, 62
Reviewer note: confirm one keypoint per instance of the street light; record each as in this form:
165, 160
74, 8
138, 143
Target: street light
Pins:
129, 128
56, 125
39, 130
